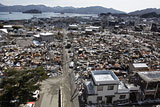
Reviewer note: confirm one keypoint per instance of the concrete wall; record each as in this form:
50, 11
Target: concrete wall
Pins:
107, 92
93, 98
118, 97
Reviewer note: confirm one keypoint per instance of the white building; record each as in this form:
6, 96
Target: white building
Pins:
73, 27
138, 67
47, 37
105, 88
8, 27
93, 28
88, 31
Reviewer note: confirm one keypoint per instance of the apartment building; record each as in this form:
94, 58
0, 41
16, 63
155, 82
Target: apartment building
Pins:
105, 88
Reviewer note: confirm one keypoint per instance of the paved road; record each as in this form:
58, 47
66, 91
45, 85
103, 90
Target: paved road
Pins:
49, 93
68, 86
50, 87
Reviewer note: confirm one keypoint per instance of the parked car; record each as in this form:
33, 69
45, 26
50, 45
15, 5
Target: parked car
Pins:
30, 104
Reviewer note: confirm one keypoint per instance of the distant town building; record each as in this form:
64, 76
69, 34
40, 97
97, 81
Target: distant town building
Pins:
73, 27
47, 37
93, 28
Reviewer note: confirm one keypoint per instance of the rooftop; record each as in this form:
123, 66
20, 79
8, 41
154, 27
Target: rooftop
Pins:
140, 65
46, 34
93, 27
4, 30
104, 77
73, 25
7, 26
152, 76
37, 36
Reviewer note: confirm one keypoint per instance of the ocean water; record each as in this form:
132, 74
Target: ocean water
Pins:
21, 16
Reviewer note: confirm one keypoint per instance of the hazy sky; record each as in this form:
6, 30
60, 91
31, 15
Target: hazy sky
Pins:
123, 5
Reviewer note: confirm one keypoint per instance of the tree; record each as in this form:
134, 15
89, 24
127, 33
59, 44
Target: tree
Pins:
1, 26
19, 85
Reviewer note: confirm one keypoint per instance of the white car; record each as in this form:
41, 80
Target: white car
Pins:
30, 104
36, 95
71, 64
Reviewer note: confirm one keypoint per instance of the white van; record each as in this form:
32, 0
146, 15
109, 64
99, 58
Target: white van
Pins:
71, 64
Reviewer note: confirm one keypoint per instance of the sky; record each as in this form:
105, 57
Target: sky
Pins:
123, 5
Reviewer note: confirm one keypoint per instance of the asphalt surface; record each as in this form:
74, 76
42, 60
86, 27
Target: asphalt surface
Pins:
50, 88
68, 85
49, 93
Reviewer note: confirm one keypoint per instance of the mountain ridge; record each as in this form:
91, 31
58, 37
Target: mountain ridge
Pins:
69, 9
145, 11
